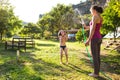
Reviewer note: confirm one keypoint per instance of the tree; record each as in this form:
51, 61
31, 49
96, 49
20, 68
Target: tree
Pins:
62, 16
31, 30
111, 18
9, 23
80, 35
44, 23
14, 23
3, 21
58, 18
116, 7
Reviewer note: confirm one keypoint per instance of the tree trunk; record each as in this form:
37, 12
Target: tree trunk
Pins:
42, 34
1, 36
114, 36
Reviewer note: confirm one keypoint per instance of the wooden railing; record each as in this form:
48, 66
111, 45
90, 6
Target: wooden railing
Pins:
20, 43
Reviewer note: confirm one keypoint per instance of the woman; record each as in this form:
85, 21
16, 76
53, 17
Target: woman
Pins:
95, 38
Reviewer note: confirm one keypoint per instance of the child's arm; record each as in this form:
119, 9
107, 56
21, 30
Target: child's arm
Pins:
66, 37
60, 38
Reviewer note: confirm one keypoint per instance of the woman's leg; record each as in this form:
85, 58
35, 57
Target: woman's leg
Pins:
99, 48
95, 55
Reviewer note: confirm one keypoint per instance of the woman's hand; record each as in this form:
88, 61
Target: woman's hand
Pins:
84, 25
87, 43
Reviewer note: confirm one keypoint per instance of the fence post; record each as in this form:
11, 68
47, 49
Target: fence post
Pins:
17, 55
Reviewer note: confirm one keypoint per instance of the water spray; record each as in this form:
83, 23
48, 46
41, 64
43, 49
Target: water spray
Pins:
79, 13
83, 31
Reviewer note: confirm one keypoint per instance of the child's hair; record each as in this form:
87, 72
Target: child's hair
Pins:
59, 33
65, 32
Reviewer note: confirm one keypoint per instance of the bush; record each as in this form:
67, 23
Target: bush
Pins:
47, 34
79, 35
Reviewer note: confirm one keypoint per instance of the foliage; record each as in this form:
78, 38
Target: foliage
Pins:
60, 17
14, 23
31, 30
116, 7
111, 18
9, 23
79, 35
3, 20
47, 34
44, 23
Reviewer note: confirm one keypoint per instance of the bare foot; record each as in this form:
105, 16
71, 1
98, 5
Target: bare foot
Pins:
93, 75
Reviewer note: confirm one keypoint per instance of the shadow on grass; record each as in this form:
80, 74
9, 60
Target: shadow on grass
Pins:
109, 63
12, 70
46, 45
112, 63
76, 68
19, 70
101, 78
11, 67
16, 70
55, 40
37, 49
2, 46
49, 69
32, 49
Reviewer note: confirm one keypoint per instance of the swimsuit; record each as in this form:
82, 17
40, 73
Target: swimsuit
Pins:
63, 47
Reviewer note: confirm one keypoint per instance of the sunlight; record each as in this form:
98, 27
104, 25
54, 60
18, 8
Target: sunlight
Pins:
29, 10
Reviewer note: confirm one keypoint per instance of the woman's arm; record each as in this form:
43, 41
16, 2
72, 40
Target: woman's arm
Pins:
86, 27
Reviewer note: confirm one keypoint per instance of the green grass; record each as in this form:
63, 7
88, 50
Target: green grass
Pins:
42, 63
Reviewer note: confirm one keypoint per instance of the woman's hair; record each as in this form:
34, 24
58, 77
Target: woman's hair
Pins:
97, 8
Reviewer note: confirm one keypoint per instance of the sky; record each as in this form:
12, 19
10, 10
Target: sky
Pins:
29, 10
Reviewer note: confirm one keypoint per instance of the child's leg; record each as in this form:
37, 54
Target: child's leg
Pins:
66, 54
61, 55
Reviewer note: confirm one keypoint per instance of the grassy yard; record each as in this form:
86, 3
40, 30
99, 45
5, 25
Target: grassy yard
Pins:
42, 63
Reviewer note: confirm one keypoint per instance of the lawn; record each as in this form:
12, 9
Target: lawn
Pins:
43, 63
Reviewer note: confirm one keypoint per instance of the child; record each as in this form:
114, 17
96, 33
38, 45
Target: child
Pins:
63, 38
